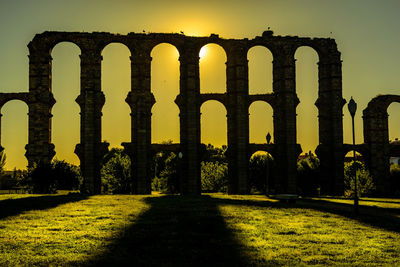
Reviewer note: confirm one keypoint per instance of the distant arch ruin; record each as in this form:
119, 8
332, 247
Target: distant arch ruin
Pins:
237, 100
376, 141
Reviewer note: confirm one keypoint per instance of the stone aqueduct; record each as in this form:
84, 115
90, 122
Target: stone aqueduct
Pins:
237, 100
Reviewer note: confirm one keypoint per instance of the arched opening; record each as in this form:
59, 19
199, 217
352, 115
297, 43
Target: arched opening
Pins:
260, 122
116, 76
261, 173
66, 88
213, 123
14, 134
260, 70
307, 92
212, 69
393, 121
214, 166
165, 88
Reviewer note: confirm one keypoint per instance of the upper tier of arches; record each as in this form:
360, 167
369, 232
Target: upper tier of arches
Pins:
141, 45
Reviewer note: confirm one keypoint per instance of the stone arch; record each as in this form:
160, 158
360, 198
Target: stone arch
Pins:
16, 136
376, 138
236, 98
215, 111
165, 88
213, 69
307, 92
65, 87
260, 60
112, 42
330, 105
260, 121
221, 98
361, 149
116, 84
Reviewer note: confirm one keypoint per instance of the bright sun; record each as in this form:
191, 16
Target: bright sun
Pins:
203, 52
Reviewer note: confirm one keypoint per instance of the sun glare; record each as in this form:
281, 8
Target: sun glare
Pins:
203, 52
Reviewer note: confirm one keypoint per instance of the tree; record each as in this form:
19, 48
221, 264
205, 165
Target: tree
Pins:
214, 154
166, 179
214, 176
40, 179
116, 172
47, 178
68, 176
307, 175
261, 167
395, 179
365, 183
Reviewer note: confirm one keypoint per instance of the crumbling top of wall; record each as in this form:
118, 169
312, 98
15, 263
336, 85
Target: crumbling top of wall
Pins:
44, 42
381, 103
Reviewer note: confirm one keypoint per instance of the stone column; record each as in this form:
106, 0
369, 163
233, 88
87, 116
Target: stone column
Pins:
376, 137
91, 100
39, 147
238, 120
141, 100
284, 87
189, 105
330, 117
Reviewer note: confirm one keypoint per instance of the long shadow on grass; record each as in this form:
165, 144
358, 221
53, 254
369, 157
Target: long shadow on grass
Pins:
384, 218
175, 231
12, 207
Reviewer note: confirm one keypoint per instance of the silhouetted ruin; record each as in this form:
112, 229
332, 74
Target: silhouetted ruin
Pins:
236, 100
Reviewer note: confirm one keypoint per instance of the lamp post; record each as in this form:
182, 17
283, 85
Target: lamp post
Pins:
268, 138
352, 109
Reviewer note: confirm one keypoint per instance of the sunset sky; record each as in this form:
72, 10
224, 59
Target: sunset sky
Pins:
367, 34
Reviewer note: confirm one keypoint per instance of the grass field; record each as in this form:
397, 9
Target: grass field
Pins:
211, 230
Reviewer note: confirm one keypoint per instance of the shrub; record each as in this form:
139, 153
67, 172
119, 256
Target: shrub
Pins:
395, 178
168, 180
116, 172
365, 185
46, 178
259, 165
214, 176
307, 175
68, 176
40, 179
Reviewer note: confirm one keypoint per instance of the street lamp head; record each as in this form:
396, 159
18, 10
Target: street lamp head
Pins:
352, 107
268, 137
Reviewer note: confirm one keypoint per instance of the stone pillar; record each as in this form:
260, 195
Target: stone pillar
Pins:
141, 100
91, 100
284, 86
376, 137
238, 120
39, 147
330, 117
189, 104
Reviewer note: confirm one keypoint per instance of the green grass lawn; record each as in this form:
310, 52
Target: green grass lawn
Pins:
211, 230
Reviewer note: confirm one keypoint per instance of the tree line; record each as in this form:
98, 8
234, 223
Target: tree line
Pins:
116, 174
